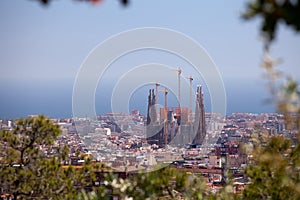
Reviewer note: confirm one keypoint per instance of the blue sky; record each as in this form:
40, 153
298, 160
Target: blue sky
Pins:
42, 48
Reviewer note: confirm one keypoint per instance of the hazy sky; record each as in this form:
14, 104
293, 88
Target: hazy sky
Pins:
42, 48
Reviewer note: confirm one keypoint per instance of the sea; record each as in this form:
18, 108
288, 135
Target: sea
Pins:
53, 98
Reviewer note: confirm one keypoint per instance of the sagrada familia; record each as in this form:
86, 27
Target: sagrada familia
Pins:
175, 126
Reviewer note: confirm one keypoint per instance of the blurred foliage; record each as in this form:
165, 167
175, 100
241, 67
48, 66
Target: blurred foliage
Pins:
273, 12
274, 172
165, 183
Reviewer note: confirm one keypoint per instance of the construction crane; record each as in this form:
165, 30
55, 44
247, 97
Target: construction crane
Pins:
166, 96
178, 110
